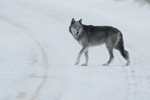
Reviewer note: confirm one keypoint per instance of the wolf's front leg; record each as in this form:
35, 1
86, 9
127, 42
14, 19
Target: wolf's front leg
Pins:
84, 49
86, 58
78, 60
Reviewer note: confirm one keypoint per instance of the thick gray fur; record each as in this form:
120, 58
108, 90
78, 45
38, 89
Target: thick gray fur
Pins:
89, 36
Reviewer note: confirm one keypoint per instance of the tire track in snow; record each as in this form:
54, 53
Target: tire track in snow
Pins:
142, 64
45, 76
130, 78
43, 52
137, 69
138, 80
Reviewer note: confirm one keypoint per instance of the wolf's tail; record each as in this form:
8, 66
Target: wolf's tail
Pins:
123, 52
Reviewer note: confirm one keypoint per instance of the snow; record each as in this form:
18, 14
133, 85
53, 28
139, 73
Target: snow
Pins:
37, 52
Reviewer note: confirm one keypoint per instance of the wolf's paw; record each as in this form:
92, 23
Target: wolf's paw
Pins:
76, 63
105, 64
84, 65
128, 63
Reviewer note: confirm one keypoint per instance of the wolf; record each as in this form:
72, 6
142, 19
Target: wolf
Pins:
90, 35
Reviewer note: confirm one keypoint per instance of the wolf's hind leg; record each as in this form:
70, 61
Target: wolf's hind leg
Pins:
123, 52
109, 47
110, 59
125, 55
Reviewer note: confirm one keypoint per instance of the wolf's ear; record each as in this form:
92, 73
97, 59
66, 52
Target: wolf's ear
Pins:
80, 21
72, 21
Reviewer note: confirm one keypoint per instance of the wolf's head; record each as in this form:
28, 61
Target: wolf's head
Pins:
76, 28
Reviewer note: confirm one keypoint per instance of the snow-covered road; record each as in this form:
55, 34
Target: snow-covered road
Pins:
37, 52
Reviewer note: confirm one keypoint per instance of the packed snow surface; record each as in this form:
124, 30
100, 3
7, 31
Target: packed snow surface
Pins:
37, 52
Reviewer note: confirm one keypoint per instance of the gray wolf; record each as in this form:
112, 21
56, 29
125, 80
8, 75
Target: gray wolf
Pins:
89, 36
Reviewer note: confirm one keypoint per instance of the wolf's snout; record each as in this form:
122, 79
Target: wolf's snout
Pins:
76, 33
